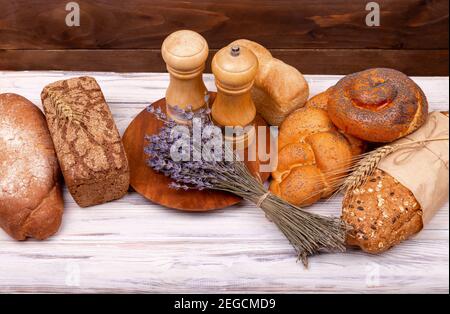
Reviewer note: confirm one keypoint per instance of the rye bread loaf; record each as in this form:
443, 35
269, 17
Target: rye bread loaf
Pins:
87, 142
31, 202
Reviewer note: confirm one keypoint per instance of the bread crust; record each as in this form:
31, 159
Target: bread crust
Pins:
279, 88
31, 202
377, 105
313, 156
320, 101
87, 142
382, 213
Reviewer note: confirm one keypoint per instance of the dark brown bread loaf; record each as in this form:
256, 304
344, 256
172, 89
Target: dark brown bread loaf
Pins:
87, 141
31, 203
382, 213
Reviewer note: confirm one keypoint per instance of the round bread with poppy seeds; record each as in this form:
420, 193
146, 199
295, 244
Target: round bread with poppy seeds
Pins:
377, 105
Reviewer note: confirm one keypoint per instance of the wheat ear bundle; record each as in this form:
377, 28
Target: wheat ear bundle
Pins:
369, 162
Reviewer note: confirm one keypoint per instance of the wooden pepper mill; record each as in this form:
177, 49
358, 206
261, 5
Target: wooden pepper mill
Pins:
185, 53
235, 69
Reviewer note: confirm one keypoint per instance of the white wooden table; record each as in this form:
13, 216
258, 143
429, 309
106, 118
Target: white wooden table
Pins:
132, 245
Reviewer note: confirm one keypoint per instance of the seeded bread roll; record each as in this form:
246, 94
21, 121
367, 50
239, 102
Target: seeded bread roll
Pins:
382, 213
87, 142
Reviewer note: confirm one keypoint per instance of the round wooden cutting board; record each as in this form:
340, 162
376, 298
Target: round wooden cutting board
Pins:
155, 186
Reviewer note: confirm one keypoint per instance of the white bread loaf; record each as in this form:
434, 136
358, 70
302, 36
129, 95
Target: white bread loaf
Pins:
279, 88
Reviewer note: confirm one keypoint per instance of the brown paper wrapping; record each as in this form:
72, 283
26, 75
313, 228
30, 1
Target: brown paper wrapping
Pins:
423, 168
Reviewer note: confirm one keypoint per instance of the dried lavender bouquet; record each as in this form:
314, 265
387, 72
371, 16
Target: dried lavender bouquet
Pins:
223, 170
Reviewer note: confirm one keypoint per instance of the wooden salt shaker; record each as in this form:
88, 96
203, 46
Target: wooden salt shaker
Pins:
235, 69
185, 53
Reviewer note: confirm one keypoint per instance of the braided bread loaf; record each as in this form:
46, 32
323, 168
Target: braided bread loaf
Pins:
313, 156
320, 101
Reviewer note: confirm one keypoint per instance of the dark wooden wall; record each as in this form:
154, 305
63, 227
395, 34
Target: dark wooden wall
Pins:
316, 36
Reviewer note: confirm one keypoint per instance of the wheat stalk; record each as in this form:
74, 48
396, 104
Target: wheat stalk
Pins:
367, 165
66, 114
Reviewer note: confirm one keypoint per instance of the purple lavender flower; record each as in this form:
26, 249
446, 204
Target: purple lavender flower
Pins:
308, 233
193, 174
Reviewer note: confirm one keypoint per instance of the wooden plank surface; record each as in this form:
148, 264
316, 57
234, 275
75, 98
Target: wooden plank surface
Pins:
317, 37
117, 24
308, 61
132, 245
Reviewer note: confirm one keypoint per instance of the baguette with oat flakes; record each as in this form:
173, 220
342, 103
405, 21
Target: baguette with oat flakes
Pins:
404, 192
382, 213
